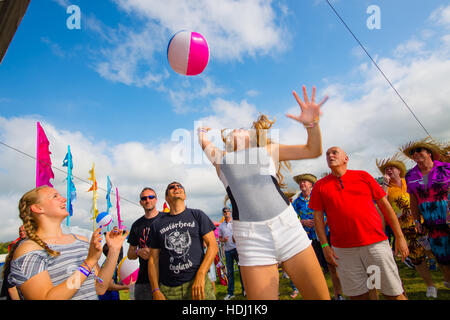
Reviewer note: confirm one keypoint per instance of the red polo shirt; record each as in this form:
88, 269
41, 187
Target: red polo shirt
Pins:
349, 204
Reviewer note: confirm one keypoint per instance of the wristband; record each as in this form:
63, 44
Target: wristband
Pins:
312, 124
154, 290
84, 264
325, 245
98, 279
84, 271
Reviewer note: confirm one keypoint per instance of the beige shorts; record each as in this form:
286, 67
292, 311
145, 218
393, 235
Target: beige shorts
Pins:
271, 241
361, 269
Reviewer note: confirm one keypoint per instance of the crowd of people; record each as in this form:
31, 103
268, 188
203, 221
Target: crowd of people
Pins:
336, 225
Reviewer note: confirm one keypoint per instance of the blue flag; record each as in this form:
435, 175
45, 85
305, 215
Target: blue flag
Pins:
71, 191
108, 196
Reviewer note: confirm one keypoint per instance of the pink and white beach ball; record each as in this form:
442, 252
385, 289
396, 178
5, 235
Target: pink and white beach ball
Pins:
128, 271
188, 53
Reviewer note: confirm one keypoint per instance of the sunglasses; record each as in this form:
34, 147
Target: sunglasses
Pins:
418, 149
173, 186
149, 197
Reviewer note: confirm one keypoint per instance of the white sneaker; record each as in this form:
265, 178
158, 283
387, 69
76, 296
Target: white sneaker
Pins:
431, 292
228, 297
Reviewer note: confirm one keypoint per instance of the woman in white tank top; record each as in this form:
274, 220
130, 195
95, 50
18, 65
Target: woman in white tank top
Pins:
265, 225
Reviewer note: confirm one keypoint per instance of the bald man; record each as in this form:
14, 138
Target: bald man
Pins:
360, 252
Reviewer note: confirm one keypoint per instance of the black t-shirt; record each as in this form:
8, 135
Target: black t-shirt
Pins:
140, 237
180, 239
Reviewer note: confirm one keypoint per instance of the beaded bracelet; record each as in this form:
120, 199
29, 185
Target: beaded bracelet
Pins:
154, 290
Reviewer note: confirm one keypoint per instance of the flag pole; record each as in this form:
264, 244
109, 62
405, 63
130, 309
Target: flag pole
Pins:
69, 174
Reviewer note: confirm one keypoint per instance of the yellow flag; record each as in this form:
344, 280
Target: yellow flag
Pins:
94, 192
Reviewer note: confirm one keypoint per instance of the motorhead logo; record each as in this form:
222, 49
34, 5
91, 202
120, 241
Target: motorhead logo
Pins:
178, 243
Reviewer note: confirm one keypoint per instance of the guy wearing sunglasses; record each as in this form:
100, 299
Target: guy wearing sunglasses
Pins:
139, 240
359, 244
178, 266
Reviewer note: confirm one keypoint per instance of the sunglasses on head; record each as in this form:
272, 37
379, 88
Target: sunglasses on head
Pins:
149, 197
173, 186
418, 149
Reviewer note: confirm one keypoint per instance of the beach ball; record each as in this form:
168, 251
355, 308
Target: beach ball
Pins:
128, 271
188, 53
103, 219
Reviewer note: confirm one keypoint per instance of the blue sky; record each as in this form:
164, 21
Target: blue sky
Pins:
55, 65
108, 90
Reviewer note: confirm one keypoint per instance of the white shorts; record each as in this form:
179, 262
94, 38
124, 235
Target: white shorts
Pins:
271, 241
368, 267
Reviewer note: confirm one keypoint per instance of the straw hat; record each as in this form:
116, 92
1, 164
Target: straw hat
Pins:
306, 176
438, 150
392, 162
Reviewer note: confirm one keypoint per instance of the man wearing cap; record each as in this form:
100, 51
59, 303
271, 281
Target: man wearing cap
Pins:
305, 182
428, 185
178, 266
394, 171
360, 249
231, 254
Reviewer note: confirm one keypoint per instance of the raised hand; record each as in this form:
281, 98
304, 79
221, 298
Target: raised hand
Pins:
310, 110
95, 247
115, 238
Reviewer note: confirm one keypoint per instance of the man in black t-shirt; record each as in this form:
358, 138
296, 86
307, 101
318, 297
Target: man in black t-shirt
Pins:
139, 240
178, 266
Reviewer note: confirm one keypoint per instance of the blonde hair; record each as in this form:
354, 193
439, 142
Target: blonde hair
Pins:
262, 126
28, 217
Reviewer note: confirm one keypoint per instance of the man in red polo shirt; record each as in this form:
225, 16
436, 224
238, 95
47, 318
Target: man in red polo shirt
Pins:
360, 249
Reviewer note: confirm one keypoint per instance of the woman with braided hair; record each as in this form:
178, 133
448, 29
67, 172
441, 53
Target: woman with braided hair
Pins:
51, 265
265, 225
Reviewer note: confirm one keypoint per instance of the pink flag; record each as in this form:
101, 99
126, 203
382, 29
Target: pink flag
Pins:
43, 164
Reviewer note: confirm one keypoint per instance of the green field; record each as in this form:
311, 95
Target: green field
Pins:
413, 284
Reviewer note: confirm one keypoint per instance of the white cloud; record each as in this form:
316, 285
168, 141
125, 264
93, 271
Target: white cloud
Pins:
410, 47
441, 16
192, 89
252, 93
131, 167
232, 28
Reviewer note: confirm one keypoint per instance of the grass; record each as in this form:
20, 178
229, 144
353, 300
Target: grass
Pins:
414, 286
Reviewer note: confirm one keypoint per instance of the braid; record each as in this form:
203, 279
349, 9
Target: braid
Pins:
29, 221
